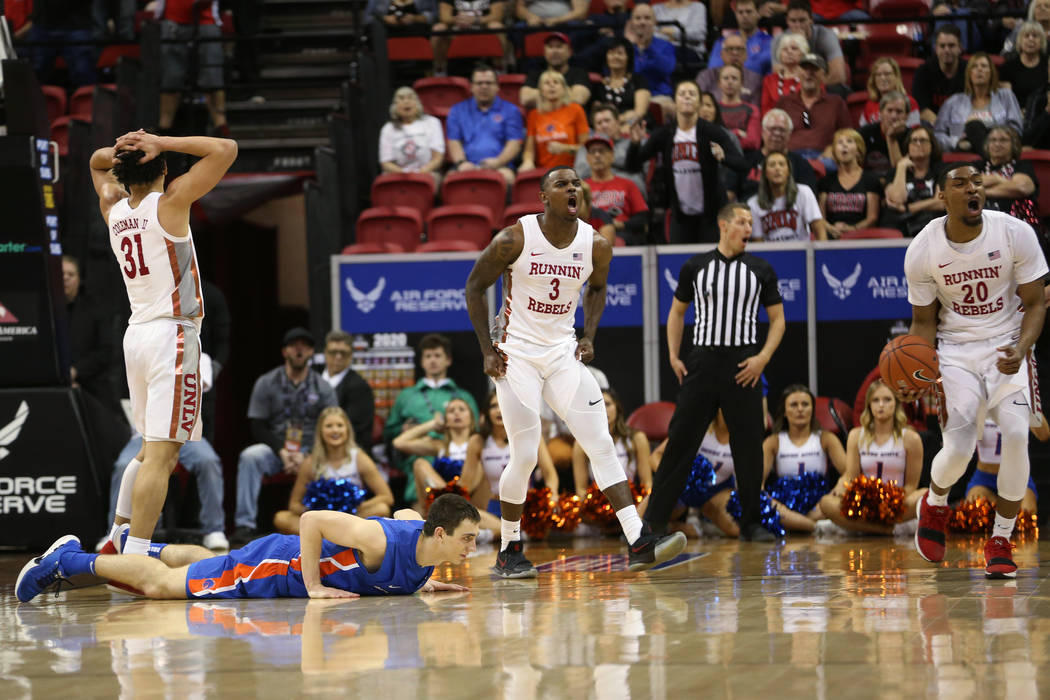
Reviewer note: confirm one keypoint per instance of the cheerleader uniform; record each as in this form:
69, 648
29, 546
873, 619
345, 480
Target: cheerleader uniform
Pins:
989, 451
887, 461
321, 494
494, 459
801, 473
347, 470
450, 464
721, 459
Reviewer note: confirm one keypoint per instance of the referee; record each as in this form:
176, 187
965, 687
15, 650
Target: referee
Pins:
723, 369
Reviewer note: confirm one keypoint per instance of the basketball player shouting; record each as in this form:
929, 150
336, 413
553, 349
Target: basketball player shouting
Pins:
535, 356
965, 272
149, 231
335, 555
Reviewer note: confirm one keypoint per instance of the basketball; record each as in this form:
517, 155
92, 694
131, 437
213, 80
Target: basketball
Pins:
909, 364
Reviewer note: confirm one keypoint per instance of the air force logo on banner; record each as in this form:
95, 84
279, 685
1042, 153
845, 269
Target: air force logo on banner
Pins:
365, 301
9, 433
844, 287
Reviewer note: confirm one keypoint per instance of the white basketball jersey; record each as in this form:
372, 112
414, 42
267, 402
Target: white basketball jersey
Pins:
977, 288
494, 460
627, 461
159, 270
542, 287
346, 470
793, 460
719, 455
887, 461
990, 446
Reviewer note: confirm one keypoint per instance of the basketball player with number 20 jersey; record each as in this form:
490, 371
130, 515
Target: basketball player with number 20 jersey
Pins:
965, 273
535, 356
149, 232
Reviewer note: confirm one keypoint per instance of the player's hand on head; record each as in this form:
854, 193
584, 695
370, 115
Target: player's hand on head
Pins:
584, 350
1010, 361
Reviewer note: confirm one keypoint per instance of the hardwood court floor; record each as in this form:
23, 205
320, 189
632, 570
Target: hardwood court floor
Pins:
862, 618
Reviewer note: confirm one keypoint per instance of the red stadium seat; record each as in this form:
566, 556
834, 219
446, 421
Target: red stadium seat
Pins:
439, 94
413, 190
855, 102
819, 169
908, 66
484, 187
960, 157
509, 86
476, 46
534, 44
652, 419
872, 233
834, 415
447, 246
111, 54
400, 225
517, 210
372, 249
60, 132
898, 8
80, 104
55, 100
1040, 160
527, 186
620, 242
409, 48
461, 222
888, 39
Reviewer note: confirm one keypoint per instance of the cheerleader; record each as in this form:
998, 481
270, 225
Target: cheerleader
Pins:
882, 447
983, 482
799, 451
715, 448
488, 453
335, 455
632, 449
455, 426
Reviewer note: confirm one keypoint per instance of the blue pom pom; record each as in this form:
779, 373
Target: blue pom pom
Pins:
342, 495
768, 515
700, 485
448, 468
800, 493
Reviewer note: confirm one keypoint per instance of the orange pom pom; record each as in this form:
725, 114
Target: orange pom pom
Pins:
536, 514
451, 487
974, 517
873, 500
596, 507
568, 514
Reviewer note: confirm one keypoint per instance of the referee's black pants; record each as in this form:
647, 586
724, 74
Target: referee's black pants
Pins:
708, 386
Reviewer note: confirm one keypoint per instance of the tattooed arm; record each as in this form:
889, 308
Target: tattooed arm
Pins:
497, 256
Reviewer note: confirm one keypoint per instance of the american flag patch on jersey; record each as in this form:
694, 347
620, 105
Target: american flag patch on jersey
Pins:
994, 255
579, 256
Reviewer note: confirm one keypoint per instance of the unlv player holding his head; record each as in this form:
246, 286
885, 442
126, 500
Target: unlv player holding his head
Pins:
149, 231
965, 273
545, 259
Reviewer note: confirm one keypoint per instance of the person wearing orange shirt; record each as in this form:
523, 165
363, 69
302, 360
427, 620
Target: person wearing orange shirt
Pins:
556, 128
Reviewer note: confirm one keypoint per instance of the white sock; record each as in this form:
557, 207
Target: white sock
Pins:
1004, 527
936, 500
127, 487
630, 522
136, 545
509, 532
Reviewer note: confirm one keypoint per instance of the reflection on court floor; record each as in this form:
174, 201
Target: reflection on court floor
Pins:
862, 618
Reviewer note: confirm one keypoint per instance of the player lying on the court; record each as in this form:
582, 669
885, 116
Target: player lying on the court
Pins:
336, 555
965, 273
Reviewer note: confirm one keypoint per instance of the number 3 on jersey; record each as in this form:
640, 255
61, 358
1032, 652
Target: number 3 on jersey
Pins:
555, 283
131, 269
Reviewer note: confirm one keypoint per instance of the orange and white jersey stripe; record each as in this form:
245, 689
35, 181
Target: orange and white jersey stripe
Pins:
160, 270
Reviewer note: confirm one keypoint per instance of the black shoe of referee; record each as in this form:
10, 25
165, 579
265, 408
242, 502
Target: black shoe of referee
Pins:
756, 533
649, 549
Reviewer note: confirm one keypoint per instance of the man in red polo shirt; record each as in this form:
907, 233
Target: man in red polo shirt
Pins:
816, 114
617, 205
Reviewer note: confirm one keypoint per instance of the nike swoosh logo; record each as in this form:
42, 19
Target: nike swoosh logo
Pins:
945, 264
919, 375
592, 403
534, 254
638, 548
1019, 403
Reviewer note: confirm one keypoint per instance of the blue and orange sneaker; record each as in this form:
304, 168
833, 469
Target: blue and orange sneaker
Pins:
45, 571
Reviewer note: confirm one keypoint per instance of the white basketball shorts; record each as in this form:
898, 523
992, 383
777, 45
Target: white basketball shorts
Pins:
972, 383
163, 362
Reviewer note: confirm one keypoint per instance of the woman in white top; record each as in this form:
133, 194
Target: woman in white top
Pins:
983, 483
335, 455
881, 447
454, 426
632, 449
784, 210
488, 453
411, 142
796, 448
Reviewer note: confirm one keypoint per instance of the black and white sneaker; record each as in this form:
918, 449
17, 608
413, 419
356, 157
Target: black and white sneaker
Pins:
511, 563
649, 549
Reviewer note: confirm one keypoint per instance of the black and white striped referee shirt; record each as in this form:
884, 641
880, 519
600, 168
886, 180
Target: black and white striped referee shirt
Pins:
727, 293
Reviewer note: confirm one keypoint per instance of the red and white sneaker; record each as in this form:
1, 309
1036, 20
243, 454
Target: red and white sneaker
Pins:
998, 557
930, 534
